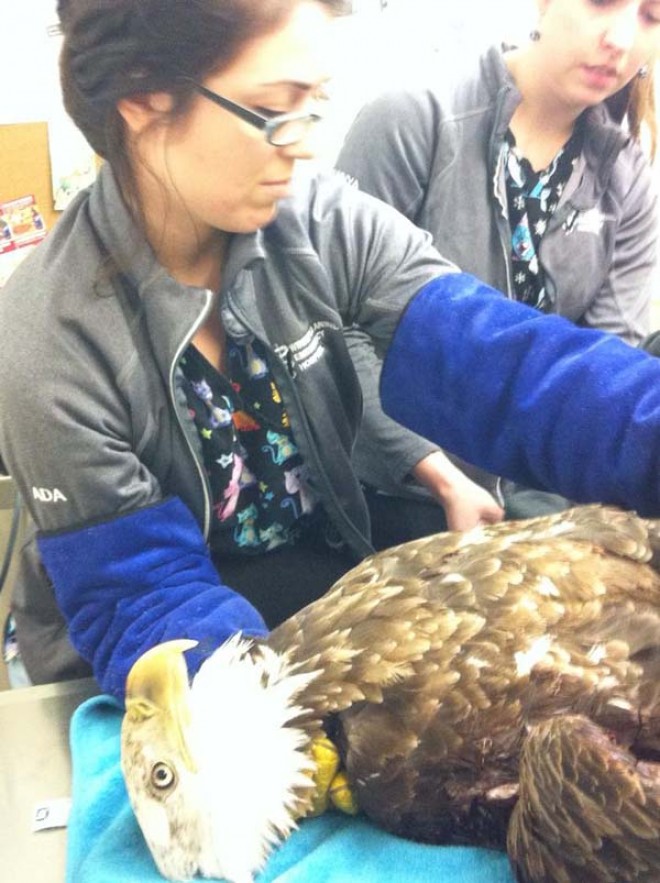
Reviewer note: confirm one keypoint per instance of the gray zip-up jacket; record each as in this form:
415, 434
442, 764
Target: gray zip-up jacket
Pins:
436, 155
94, 424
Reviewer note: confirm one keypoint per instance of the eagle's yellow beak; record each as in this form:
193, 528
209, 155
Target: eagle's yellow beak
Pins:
157, 685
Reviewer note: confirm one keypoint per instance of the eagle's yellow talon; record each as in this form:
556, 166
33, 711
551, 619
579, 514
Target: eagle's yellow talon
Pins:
326, 757
326, 765
331, 782
341, 794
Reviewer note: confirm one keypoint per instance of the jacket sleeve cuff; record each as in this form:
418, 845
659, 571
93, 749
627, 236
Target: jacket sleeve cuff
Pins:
144, 577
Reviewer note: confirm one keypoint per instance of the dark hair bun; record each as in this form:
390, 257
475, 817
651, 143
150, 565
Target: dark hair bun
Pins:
62, 8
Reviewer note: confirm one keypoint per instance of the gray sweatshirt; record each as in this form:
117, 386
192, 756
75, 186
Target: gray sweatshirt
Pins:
436, 155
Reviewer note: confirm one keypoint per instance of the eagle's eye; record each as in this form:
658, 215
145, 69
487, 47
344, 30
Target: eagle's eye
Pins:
162, 776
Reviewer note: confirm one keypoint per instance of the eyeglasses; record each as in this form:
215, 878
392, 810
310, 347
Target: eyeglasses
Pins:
282, 130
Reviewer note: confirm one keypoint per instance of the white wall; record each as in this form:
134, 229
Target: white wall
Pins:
410, 39
30, 84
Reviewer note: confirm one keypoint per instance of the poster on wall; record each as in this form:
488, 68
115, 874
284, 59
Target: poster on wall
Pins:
21, 229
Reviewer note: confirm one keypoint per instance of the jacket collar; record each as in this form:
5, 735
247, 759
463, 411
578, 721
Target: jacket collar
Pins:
121, 238
172, 311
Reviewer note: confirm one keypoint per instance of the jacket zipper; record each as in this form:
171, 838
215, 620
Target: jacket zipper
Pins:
350, 533
501, 216
200, 471
503, 231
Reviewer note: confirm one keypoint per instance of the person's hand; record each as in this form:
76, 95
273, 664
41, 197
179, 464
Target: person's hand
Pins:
466, 504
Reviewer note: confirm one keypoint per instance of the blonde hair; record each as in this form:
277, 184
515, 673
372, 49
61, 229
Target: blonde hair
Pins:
642, 110
635, 104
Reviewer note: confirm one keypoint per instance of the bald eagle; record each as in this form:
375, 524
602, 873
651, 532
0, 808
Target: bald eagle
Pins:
499, 687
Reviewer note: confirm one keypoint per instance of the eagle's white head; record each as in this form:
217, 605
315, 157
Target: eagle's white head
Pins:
214, 771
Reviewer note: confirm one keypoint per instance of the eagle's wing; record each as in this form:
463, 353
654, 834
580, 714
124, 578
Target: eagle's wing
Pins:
369, 630
400, 606
587, 810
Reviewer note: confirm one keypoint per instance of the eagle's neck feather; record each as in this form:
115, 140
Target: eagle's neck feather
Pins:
252, 761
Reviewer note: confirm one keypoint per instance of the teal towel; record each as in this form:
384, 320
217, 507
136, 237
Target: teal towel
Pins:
105, 844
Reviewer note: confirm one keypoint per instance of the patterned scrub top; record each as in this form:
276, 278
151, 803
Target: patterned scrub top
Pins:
532, 197
259, 491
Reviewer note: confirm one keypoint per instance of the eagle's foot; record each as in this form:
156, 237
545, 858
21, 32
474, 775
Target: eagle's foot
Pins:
331, 786
341, 794
326, 760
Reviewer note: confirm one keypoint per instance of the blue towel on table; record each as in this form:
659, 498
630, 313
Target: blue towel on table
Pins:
105, 844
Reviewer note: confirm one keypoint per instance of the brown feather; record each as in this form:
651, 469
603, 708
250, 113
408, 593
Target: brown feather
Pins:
443, 661
597, 808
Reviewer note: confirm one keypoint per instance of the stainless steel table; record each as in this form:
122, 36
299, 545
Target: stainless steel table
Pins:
35, 767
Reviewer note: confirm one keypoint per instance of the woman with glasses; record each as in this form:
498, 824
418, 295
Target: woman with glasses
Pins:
178, 400
527, 169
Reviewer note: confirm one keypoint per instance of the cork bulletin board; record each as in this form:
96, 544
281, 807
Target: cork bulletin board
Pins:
25, 166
